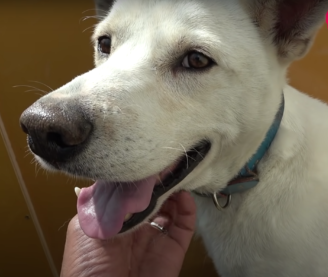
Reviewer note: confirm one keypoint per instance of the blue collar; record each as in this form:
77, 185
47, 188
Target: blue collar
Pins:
247, 177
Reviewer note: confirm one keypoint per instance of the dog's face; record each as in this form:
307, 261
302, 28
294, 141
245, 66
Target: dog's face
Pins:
182, 94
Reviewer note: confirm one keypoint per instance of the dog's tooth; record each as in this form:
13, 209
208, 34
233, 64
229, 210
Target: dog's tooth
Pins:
127, 217
77, 191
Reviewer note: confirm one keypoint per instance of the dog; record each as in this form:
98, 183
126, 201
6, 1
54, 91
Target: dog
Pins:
192, 95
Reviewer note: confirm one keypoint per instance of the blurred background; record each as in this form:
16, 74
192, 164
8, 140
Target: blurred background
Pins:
43, 45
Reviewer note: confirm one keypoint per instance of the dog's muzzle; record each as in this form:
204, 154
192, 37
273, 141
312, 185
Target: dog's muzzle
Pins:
58, 131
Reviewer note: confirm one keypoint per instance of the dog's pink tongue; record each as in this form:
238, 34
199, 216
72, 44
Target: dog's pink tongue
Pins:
103, 206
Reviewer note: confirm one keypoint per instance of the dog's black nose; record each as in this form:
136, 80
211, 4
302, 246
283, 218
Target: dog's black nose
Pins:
56, 131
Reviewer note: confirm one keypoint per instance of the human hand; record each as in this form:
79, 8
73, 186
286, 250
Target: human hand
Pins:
142, 253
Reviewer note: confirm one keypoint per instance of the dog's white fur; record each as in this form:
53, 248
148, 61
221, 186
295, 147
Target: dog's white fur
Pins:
147, 113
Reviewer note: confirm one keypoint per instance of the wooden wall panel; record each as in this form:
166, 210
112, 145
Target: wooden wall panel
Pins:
44, 41
21, 253
310, 74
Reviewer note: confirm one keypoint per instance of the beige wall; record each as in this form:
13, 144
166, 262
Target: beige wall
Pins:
46, 43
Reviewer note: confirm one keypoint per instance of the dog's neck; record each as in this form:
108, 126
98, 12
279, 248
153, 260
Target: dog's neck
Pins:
247, 177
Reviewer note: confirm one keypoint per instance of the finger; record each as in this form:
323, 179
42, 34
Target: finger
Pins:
178, 217
183, 218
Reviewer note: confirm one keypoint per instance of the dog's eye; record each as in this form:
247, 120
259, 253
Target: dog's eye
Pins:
104, 45
196, 60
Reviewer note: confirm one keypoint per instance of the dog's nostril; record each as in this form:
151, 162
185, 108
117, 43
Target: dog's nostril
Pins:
57, 139
24, 128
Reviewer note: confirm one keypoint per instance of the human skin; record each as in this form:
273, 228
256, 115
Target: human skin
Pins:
146, 252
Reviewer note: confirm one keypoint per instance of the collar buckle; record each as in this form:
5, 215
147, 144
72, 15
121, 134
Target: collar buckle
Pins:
217, 203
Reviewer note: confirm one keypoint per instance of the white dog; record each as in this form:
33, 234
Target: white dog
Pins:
192, 95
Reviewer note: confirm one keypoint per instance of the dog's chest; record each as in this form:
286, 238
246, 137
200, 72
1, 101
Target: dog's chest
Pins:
243, 245
224, 244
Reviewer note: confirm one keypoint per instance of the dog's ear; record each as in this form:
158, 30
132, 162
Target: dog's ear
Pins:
290, 24
103, 7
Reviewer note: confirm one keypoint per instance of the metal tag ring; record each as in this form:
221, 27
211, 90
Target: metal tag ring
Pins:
217, 203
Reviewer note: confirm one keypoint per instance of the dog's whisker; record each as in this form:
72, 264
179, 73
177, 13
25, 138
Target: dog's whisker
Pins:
161, 182
73, 180
37, 82
36, 170
89, 10
98, 17
135, 185
90, 27
33, 88
186, 154
37, 167
199, 153
36, 93
26, 155
94, 10
64, 224
27, 152
46, 172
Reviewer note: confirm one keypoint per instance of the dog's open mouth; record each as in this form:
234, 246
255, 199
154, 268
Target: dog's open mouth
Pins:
106, 208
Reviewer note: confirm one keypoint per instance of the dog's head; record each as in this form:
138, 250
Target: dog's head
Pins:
182, 94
